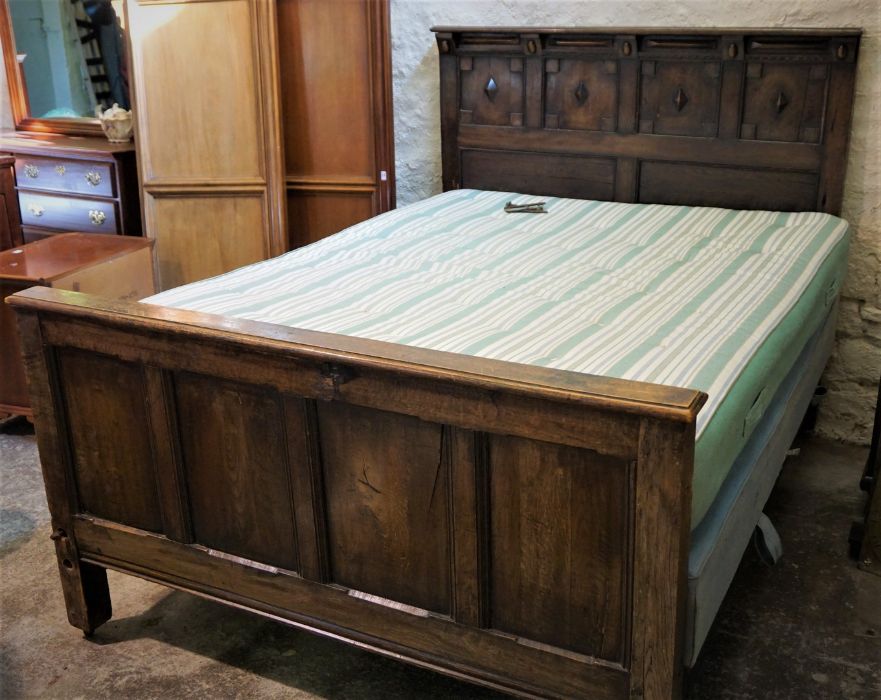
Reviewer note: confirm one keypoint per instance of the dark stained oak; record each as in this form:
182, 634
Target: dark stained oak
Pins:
470, 515
566, 511
114, 477
387, 498
234, 465
738, 118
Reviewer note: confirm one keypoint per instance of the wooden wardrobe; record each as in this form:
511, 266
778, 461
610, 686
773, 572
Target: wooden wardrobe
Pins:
336, 114
261, 125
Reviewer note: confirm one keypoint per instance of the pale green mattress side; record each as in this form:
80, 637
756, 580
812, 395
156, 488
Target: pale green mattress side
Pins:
712, 299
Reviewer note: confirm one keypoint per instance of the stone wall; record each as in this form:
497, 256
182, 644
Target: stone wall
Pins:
853, 374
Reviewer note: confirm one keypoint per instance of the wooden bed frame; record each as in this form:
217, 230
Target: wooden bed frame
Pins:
522, 528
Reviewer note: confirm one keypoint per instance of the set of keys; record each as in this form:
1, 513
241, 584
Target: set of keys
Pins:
530, 208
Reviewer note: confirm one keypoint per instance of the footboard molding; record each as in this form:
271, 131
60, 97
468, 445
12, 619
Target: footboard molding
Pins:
518, 527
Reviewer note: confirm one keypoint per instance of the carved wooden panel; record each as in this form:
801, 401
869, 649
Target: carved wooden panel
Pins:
784, 102
387, 494
559, 543
114, 478
540, 174
679, 98
581, 94
492, 90
236, 471
711, 186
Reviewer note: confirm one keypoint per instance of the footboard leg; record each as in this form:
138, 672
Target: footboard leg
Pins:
86, 594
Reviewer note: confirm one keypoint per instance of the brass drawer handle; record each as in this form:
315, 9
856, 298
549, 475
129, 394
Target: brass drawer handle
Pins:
32, 171
36, 209
97, 216
59, 169
93, 178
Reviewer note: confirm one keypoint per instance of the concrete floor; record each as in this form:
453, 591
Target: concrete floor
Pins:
809, 627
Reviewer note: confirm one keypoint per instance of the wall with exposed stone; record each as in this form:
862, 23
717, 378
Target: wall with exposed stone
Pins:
853, 374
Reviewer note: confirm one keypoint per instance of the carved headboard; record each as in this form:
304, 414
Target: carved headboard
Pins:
740, 118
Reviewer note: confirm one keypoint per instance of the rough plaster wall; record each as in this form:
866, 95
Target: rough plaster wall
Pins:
852, 376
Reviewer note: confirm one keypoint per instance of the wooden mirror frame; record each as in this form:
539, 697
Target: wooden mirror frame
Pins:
18, 98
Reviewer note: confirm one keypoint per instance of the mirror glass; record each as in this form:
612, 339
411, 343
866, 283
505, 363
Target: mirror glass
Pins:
71, 55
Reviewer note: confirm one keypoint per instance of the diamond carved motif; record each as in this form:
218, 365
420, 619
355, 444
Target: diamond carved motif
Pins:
781, 102
491, 89
581, 93
680, 99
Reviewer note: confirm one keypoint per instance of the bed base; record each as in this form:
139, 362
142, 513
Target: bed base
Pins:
517, 527
719, 540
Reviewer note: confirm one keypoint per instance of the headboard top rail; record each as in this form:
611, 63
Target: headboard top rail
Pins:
745, 118
786, 31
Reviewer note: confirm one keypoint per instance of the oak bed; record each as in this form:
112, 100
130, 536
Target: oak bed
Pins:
524, 527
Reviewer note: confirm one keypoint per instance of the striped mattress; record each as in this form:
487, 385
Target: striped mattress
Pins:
711, 299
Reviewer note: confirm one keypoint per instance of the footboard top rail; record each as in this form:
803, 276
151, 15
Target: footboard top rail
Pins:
343, 357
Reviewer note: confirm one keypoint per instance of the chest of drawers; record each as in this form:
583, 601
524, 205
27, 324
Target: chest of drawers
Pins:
68, 183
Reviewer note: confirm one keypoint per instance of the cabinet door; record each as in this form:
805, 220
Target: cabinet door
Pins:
335, 73
208, 133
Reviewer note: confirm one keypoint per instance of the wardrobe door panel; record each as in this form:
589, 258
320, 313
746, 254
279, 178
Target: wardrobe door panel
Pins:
326, 108
186, 252
336, 114
174, 93
320, 214
205, 77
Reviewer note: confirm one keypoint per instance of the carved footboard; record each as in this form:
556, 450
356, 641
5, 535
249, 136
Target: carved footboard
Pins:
522, 528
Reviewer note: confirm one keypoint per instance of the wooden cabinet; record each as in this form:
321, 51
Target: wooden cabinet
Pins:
260, 125
10, 220
74, 183
335, 74
115, 267
209, 147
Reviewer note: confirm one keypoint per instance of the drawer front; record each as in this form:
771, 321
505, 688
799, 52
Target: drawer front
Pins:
67, 213
65, 175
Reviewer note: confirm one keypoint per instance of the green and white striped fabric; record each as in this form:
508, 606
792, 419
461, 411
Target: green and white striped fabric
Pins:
684, 296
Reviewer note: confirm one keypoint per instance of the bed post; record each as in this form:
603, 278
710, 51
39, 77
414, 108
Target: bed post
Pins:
661, 540
84, 585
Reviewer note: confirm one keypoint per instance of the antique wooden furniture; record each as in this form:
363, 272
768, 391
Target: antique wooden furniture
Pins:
209, 150
740, 119
523, 528
10, 219
74, 183
336, 111
107, 266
